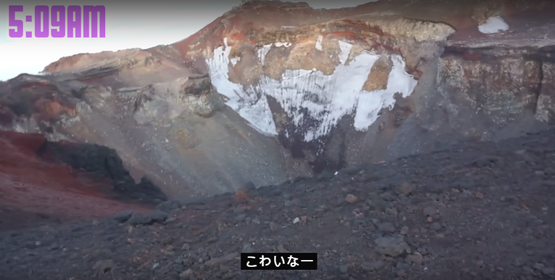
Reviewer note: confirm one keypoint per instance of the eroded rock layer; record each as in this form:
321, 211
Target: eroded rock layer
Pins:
271, 91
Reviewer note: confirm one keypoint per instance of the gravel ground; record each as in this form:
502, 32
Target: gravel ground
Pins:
474, 211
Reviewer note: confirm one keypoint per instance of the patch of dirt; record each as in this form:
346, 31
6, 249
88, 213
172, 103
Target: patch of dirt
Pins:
36, 190
473, 211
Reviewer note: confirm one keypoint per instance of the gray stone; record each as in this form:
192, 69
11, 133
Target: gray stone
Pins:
386, 227
168, 206
157, 216
123, 216
140, 220
392, 246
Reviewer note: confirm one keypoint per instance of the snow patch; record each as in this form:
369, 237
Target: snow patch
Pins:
251, 107
319, 42
345, 51
305, 94
370, 103
283, 44
261, 53
234, 60
493, 25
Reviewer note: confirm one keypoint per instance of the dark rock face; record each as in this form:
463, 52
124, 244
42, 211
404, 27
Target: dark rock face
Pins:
503, 86
104, 162
470, 93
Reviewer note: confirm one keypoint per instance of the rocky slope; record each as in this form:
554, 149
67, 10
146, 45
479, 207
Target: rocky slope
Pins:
472, 211
272, 91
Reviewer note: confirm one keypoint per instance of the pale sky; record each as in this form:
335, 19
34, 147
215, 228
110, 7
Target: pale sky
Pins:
139, 26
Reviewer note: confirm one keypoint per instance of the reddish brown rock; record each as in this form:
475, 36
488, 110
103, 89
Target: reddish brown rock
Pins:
377, 79
37, 190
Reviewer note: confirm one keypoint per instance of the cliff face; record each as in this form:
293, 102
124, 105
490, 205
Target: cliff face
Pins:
271, 91
306, 81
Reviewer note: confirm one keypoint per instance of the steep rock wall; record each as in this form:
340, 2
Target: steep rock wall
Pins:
342, 71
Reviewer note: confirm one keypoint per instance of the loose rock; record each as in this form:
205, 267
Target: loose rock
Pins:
392, 246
